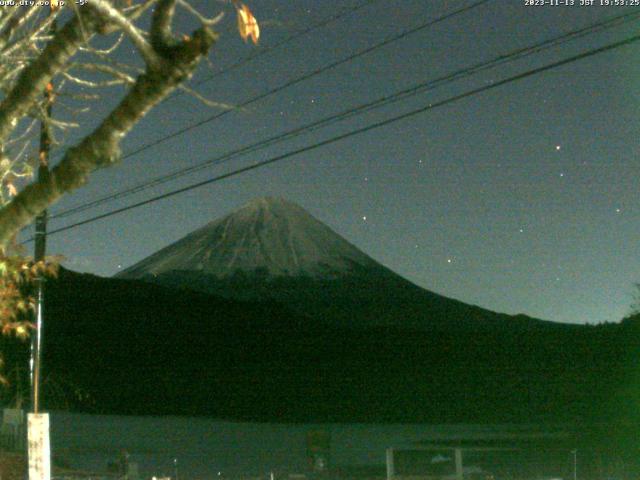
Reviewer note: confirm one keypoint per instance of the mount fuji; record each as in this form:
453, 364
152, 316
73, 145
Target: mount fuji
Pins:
273, 250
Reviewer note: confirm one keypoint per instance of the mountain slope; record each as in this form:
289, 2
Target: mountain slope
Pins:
272, 249
128, 347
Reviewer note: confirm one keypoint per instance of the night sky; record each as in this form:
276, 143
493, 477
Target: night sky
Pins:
522, 199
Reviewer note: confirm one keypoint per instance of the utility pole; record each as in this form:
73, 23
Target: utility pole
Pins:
38, 443
40, 251
41, 233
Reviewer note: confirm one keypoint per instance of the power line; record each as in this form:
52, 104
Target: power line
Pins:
307, 76
322, 23
373, 126
403, 94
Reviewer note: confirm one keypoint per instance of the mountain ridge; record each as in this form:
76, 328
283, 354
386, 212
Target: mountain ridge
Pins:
272, 249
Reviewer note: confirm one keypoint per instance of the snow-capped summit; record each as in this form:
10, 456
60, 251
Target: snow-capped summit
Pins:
269, 236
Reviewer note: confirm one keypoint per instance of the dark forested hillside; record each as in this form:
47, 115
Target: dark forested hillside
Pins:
124, 346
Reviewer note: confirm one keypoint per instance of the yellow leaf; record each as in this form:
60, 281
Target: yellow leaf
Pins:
247, 24
22, 332
12, 189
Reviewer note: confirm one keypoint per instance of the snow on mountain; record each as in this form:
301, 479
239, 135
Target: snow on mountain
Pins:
273, 250
269, 236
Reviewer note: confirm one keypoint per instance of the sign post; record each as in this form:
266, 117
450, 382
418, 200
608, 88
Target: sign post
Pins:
39, 446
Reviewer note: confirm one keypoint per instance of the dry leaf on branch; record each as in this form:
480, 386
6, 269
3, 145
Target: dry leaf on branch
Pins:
247, 24
13, 191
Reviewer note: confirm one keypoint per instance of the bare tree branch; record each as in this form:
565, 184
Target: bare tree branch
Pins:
135, 11
107, 51
114, 16
34, 78
102, 146
107, 70
209, 22
14, 21
161, 35
33, 59
205, 100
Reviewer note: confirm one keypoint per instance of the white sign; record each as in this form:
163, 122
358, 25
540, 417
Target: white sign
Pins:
39, 447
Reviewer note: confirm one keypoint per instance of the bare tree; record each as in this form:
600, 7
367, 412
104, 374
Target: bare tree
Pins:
40, 64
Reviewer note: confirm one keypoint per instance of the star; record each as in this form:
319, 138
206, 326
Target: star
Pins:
557, 147
364, 218
562, 174
449, 260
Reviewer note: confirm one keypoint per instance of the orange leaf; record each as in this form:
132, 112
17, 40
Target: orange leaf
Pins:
247, 24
